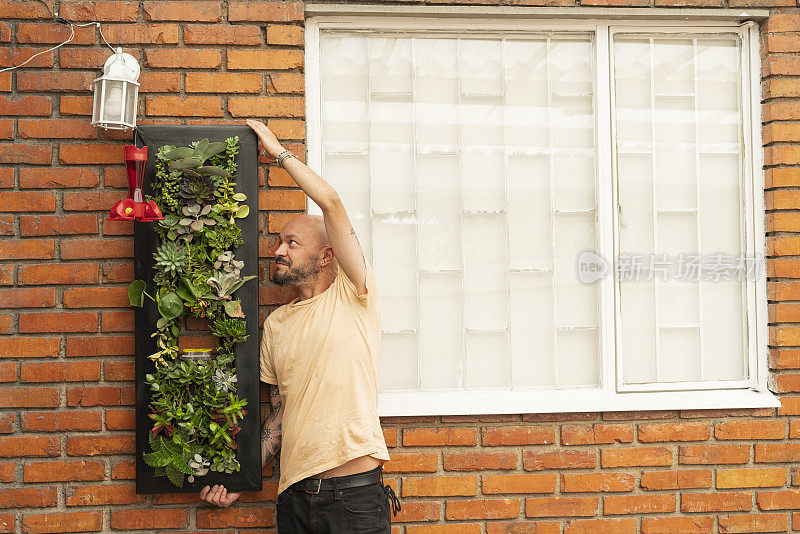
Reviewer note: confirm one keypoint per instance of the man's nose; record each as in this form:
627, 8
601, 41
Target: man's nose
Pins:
281, 250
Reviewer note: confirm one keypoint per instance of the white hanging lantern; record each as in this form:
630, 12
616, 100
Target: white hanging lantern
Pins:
116, 93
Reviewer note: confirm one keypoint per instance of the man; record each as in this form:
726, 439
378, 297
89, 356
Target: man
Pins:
319, 355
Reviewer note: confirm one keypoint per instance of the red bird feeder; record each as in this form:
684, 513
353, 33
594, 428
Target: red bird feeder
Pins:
134, 207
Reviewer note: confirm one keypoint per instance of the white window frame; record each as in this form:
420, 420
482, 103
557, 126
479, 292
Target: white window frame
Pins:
608, 396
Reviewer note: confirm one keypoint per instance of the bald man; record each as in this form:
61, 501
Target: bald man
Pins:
319, 359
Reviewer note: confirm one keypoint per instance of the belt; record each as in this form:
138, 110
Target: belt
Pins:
315, 484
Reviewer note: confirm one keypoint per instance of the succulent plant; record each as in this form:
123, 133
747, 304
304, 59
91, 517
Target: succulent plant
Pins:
228, 465
199, 467
226, 263
171, 258
225, 380
225, 284
234, 329
195, 217
197, 189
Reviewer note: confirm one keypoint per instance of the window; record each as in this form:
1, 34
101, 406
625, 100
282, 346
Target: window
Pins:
489, 168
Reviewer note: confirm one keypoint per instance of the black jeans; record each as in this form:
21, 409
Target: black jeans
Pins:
359, 510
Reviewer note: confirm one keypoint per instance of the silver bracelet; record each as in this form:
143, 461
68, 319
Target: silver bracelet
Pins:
283, 156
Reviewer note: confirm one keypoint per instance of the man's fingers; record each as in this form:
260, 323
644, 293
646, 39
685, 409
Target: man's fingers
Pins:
204, 492
223, 497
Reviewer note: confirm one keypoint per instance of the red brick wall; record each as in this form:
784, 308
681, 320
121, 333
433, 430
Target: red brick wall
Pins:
66, 416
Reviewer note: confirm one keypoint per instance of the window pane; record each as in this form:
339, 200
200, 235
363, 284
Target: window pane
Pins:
469, 162
680, 203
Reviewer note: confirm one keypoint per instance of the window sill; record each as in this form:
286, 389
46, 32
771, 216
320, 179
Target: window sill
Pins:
576, 400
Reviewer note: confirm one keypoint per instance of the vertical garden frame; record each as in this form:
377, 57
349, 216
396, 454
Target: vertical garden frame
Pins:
146, 242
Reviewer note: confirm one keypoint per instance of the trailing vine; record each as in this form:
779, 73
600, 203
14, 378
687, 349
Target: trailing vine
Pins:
194, 405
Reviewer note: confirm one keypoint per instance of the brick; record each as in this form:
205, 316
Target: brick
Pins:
286, 82
46, 225
56, 81
124, 470
7, 523
102, 495
265, 59
459, 528
55, 128
94, 153
636, 456
26, 201
117, 321
117, 272
178, 58
23, 10
118, 371
439, 486
25, 153
188, 106
58, 273
284, 34
223, 82
101, 445
281, 199
27, 497
413, 462
120, 419
26, 105
478, 461
52, 32
101, 11
526, 527
596, 434
638, 504
678, 525
266, 106
296, 129
266, 11
40, 249
99, 346
716, 502
28, 297
102, 248
778, 500
222, 34
672, 480
522, 483
50, 178
606, 526
563, 459
438, 437
517, 435
60, 371
713, 454
29, 347
62, 421
63, 522
58, 322
8, 372
148, 519
655, 432
29, 397
75, 105
482, 509
750, 430
96, 297
100, 396
754, 523
751, 478
183, 11
63, 471
560, 506
18, 446
235, 517
141, 33
600, 482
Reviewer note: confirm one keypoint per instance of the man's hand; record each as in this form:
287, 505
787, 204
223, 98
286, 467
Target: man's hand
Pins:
267, 138
218, 495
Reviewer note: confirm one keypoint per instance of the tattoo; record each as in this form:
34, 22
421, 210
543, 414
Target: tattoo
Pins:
271, 433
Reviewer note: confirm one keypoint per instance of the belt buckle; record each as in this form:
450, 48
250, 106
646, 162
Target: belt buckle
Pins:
319, 487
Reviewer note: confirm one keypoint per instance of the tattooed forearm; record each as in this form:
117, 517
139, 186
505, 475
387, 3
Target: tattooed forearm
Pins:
271, 433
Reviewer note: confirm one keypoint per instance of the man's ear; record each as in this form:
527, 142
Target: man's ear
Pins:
326, 256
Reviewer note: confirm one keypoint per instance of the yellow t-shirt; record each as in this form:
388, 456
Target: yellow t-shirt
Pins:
323, 353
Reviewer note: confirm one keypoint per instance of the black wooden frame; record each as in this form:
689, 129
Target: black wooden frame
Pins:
146, 241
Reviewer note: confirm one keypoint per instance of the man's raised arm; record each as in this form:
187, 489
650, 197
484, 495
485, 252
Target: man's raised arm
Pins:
344, 243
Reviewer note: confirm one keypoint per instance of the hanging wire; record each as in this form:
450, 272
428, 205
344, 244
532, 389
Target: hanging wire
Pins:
71, 35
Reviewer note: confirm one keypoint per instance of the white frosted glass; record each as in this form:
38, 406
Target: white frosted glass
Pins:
436, 64
441, 331
632, 92
673, 66
674, 119
723, 335
485, 271
390, 64
720, 204
398, 361
394, 245
392, 138
437, 128
679, 354
678, 301
532, 360
438, 204
481, 125
635, 217
349, 175
571, 66
718, 59
481, 66
576, 302
718, 129
529, 213
482, 177
637, 312
344, 126
526, 73
577, 358
676, 178
572, 121
344, 93
573, 181
677, 233
488, 363
526, 129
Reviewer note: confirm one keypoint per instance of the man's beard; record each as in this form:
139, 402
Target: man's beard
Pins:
298, 276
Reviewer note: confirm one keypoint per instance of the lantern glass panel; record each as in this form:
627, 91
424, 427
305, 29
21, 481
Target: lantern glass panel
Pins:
130, 103
112, 111
98, 91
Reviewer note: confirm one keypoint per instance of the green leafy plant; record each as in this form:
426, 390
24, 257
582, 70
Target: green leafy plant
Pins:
194, 405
